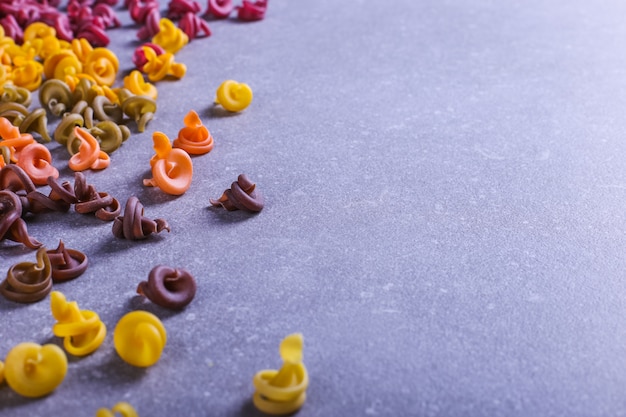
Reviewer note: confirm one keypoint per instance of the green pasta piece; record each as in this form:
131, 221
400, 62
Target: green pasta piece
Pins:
104, 110
66, 127
56, 96
14, 112
15, 94
141, 109
36, 121
108, 134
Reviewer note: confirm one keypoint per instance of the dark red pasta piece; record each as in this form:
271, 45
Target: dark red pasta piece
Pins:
193, 26
178, 8
220, 9
250, 11
108, 16
151, 25
139, 56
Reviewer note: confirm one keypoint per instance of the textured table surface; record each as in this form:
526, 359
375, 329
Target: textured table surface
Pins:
444, 220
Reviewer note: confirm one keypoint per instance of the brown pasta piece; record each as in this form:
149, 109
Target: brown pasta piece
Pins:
66, 263
133, 225
241, 195
12, 226
169, 287
28, 282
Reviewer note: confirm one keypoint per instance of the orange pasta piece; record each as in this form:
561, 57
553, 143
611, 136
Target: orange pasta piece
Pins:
89, 155
172, 169
36, 161
194, 138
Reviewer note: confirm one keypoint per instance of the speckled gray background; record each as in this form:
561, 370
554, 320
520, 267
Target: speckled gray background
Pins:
445, 188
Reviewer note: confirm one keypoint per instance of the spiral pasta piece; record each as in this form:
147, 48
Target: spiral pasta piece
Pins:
66, 263
103, 205
139, 338
27, 73
89, 155
65, 129
104, 110
50, 45
168, 287
242, 195
194, 138
141, 109
234, 96
68, 68
102, 64
109, 135
84, 89
133, 225
178, 8
14, 179
36, 121
82, 330
151, 22
85, 198
33, 370
220, 9
170, 38
36, 160
139, 56
172, 169
12, 226
56, 96
15, 94
283, 391
124, 409
14, 112
51, 63
38, 30
12, 138
81, 48
160, 66
250, 11
135, 83
193, 26
28, 282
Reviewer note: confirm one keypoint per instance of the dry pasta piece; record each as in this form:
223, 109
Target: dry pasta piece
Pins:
194, 138
139, 108
36, 160
170, 38
89, 155
283, 391
172, 169
137, 85
124, 409
12, 226
33, 370
160, 66
36, 121
102, 65
28, 282
82, 330
139, 338
56, 96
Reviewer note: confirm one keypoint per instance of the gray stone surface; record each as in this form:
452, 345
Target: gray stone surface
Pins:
444, 220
